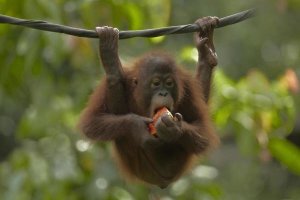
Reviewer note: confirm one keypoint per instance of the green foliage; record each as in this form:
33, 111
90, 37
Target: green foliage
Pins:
262, 109
287, 153
264, 114
46, 78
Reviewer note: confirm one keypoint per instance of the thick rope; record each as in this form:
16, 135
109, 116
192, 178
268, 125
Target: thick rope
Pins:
46, 26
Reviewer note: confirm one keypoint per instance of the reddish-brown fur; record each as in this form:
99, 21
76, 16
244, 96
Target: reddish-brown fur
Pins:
199, 135
121, 108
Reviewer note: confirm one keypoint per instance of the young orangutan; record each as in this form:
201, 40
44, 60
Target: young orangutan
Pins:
122, 107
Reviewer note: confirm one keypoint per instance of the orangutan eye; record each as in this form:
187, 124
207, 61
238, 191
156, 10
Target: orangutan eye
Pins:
155, 82
169, 82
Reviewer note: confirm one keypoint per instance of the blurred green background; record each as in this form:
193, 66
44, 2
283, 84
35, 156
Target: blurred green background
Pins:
46, 78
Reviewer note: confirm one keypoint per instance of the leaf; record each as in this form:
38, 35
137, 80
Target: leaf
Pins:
286, 153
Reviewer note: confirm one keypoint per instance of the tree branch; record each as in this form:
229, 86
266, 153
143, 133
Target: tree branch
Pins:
46, 26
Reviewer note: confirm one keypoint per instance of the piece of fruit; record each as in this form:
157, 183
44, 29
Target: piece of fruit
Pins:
157, 115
